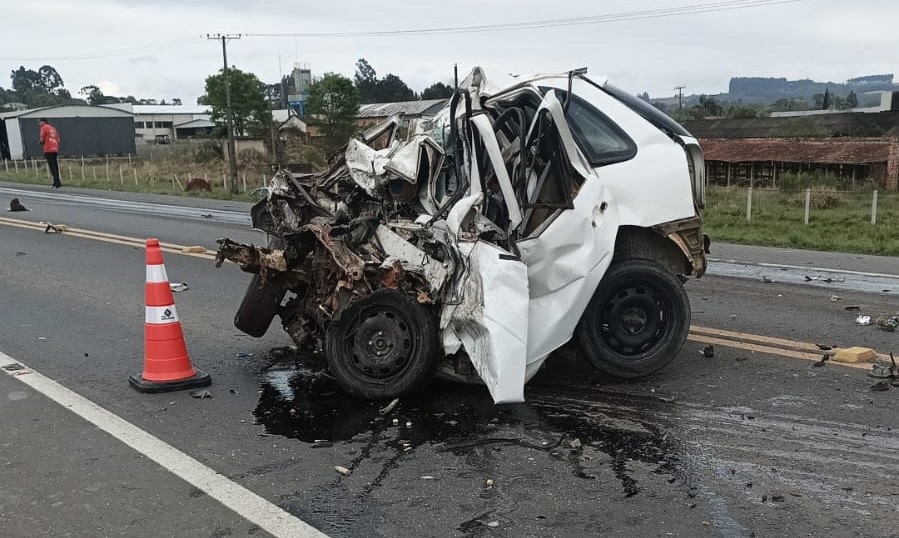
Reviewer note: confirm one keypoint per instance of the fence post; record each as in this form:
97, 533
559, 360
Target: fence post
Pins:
135, 177
244, 178
94, 170
82, 170
749, 203
16, 166
874, 209
70, 172
6, 165
808, 203
121, 175
225, 180
129, 159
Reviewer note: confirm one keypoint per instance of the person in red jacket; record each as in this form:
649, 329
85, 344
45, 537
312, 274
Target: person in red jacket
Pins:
50, 142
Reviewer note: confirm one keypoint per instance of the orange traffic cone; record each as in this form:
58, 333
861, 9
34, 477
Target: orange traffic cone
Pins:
166, 363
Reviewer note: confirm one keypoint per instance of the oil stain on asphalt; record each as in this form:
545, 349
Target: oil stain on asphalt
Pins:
307, 405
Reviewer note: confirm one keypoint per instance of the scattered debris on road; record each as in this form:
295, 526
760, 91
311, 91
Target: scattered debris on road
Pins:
54, 228
852, 307
178, 286
835, 298
863, 320
244, 354
708, 351
888, 323
880, 386
193, 250
16, 205
389, 407
202, 393
343, 470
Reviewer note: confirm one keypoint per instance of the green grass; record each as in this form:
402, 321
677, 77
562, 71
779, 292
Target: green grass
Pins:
776, 222
146, 183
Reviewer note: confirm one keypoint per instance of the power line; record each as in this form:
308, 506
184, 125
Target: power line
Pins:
165, 45
706, 7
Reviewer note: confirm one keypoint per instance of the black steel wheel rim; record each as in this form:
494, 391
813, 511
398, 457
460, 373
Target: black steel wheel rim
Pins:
635, 320
383, 343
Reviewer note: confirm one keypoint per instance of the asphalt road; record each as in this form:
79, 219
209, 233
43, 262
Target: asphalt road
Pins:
740, 444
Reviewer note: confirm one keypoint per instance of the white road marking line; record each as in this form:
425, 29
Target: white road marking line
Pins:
244, 502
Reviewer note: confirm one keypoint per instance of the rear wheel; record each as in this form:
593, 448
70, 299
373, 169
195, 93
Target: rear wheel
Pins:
637, 321
383, 346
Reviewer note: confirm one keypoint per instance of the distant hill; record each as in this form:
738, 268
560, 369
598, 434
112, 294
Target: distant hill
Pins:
764, 90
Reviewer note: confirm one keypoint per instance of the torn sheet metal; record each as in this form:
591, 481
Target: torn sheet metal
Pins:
490, 321
411, 257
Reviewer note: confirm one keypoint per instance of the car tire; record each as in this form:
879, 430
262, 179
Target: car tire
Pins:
261, 302
384, 346
636, 322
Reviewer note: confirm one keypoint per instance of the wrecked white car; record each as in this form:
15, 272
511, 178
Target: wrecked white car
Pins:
523, 214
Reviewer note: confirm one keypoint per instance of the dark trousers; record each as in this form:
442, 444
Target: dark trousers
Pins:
54, 168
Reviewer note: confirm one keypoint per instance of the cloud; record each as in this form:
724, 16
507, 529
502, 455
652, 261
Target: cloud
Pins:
160, 50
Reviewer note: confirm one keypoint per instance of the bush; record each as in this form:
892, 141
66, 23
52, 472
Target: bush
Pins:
210, 151
820, 198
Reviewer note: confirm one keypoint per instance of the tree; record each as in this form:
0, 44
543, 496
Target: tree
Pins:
333, 104
366, 80
250, 110
827, 100
93, 94
392, 89
438, 90
851, 100
24, 80
51, 82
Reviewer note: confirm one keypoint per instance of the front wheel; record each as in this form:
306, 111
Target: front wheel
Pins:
383, 346
637, 321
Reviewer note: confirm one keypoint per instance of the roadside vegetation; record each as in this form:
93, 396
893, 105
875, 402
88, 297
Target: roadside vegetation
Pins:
839, 220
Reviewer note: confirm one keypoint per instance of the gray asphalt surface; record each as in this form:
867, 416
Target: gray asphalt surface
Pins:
732, 445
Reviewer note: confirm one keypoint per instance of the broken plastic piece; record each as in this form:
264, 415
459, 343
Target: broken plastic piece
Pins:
203, 393
178, 286
863, 320
343, 470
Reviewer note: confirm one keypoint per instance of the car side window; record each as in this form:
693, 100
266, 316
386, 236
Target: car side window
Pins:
601, 140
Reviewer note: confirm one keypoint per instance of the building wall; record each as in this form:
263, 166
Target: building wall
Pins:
82, 136
150, 125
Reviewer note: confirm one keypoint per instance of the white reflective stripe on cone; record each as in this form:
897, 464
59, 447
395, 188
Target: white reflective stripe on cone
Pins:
161, 315
156, 273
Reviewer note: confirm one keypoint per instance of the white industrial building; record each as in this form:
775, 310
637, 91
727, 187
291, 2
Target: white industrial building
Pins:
173, 121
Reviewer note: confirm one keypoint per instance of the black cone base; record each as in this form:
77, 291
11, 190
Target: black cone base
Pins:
201, 379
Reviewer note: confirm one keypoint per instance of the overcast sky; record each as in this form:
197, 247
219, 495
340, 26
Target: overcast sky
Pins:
157, 48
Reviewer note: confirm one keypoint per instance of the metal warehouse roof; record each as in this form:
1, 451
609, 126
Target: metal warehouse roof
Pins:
410, 108
171, 109
195, 124
793, 150
67, 111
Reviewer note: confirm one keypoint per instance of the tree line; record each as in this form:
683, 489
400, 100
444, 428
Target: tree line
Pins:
44, 86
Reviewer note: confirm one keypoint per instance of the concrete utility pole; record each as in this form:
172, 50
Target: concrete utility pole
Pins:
680, 97
232, 157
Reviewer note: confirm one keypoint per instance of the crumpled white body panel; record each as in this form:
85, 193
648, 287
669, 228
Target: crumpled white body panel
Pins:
490, 320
